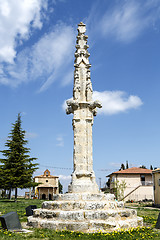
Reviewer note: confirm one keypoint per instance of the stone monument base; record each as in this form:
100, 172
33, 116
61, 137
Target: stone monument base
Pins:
84, 212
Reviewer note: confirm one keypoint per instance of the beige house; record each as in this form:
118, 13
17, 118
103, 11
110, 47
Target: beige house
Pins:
138, 183
156, 184
47, 187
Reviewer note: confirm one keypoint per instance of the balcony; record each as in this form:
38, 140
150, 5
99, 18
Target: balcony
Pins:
147, 183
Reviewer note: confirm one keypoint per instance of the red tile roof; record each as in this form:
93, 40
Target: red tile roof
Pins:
133, 170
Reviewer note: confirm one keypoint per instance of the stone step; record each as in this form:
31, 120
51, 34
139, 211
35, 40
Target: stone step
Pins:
83, 197
81, 215
85, 226
73, 205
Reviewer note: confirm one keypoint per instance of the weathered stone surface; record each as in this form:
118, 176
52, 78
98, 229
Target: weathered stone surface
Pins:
120, 204
103, 225
83, 196
109, 196
87, 211
74, 205
83, 108
88, 225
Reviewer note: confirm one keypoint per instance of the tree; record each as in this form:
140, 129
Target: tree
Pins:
143, 167
127, 166
151, 167
60, 187
119, 188
122, 167
17, 168
108, 182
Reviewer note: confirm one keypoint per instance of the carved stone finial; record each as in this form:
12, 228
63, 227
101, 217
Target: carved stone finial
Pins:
81, 28
81, 24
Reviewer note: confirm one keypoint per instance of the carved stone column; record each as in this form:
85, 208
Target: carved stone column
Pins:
83, 109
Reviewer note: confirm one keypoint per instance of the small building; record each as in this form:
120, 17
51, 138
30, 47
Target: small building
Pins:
138, 183
156, 186
47, 187
27, 195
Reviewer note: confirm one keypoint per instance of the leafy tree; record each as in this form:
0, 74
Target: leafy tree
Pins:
108, 182
16, 169
60, 187
119, 188
143, 166
122, 167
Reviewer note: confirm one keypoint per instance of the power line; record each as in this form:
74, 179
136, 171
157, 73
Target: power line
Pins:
65, 168
55, 167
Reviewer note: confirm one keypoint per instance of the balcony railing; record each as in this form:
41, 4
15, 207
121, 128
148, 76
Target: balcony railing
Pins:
140, 183
147, 183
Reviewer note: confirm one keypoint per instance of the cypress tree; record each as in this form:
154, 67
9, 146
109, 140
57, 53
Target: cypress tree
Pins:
60, 186
17, 168
127, 166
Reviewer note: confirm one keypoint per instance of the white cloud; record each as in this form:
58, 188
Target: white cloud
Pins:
44, 61
31, 135
60, 141
64, 177
68, 78
114, 102
16, 20
115, 164
124, 20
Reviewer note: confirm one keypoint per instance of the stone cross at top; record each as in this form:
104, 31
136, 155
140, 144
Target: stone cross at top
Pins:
83, 108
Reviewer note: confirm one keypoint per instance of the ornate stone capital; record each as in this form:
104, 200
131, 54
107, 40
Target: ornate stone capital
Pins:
71, 106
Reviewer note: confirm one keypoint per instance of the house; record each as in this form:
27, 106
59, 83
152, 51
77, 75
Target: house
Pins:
156, 186
137, 182
47, 187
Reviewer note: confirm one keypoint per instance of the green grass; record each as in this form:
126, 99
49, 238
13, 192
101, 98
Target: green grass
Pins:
147, 232
19, 206
132, 234
149, 216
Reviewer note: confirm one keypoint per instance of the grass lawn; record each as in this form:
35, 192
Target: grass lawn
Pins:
147, 232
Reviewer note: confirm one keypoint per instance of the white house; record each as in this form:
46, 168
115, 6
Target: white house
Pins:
138, 181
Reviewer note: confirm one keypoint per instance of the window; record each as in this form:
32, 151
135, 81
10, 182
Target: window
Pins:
46, 180
143, 180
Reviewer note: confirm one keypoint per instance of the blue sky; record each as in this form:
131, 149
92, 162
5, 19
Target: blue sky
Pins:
37, 46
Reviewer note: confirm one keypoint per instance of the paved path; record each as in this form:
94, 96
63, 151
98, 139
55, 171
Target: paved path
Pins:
153, 208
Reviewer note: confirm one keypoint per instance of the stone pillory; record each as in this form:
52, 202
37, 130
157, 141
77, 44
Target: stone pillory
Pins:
83, 108
83, 208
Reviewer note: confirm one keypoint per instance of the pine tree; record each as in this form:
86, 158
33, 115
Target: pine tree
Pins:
17, 167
